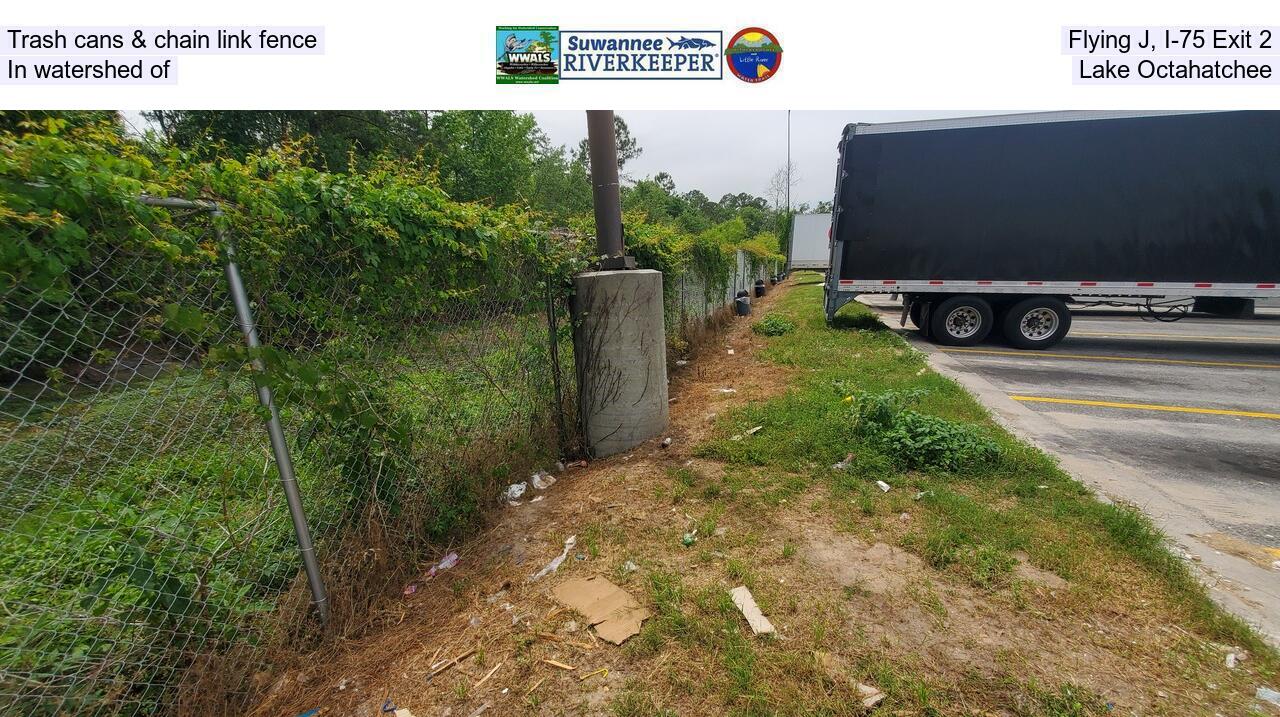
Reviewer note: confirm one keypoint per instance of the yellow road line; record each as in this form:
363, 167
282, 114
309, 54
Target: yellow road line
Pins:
1149, 407
1189, 337
1091, 357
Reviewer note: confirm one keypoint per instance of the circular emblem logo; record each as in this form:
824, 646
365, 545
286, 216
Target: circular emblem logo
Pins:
753, 54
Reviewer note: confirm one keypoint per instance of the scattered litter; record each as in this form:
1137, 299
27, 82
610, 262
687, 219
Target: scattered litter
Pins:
390, 708
689, 538
736, 437
754, 431
449, 561
542, 481
480, 710
682, 362
838, 671
475, 621
603, 671
559, 466
673, 399
666, 442
760, 624
905, 517
554, 565
1231, 660
614, 613
537, 498
580, 556
487, 676
515, 490
629, 567
847, 399
870, 695
442, 666
921, 371
727, 390
882, 486
310, 713
848, 460
410, 589
1276, 564
730, 352
1268, 694
557, 663
578, 464
514, 503
342, 684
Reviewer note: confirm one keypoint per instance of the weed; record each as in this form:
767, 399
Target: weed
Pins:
773, 325
918, 440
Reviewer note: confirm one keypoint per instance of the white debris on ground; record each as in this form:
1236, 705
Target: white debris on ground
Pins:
554, 565
760, 624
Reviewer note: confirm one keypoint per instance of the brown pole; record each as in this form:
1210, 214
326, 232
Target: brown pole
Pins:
603, 152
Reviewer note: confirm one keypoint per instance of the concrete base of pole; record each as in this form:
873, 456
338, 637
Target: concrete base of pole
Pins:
620, 353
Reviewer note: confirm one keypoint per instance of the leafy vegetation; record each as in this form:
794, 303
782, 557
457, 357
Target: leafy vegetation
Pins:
400, 266
773, 325
918, 440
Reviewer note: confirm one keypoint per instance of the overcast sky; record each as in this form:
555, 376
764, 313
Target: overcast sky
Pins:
733, 151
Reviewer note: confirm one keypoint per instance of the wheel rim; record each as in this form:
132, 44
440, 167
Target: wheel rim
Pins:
963, 322
1038, 324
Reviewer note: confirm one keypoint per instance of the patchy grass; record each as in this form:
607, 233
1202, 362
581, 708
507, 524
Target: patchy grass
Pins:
977, 495
983, 582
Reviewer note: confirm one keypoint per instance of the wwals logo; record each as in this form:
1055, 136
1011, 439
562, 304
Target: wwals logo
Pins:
528, 55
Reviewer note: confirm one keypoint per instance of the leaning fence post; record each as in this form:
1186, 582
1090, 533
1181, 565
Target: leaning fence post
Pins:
279, 447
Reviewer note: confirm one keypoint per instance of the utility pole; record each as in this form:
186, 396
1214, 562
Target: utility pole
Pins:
619, 337
602, 148
788, 163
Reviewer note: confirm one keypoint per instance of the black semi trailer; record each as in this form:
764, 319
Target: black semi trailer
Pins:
997, 223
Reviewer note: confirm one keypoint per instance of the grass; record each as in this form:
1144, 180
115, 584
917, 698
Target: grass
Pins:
151, 510
977, 500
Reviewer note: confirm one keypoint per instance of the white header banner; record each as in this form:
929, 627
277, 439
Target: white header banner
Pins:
242, 54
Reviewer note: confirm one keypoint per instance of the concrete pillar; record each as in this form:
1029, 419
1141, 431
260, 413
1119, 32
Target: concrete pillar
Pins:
620, 353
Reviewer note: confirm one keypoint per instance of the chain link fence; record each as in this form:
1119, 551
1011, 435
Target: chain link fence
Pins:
148, 562
144, 534
693, 303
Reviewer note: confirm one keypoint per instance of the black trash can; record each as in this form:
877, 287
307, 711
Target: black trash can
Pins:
742, 305
760, 288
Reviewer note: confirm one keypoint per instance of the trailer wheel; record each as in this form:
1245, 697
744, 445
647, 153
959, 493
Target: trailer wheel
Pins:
1037, 323
960, 321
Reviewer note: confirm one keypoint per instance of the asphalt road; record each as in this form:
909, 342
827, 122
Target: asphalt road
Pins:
1182, 419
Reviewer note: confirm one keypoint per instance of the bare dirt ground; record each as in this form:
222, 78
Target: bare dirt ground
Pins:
830, 580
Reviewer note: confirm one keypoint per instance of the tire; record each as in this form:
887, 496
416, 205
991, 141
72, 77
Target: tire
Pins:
1037, 322
960, 321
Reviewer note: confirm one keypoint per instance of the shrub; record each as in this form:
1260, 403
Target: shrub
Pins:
918, 440
773, 325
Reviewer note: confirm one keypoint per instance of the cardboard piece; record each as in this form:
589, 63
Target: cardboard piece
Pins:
614, 613
760, 624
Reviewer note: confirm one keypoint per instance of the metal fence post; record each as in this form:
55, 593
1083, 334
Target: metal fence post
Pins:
279, 447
